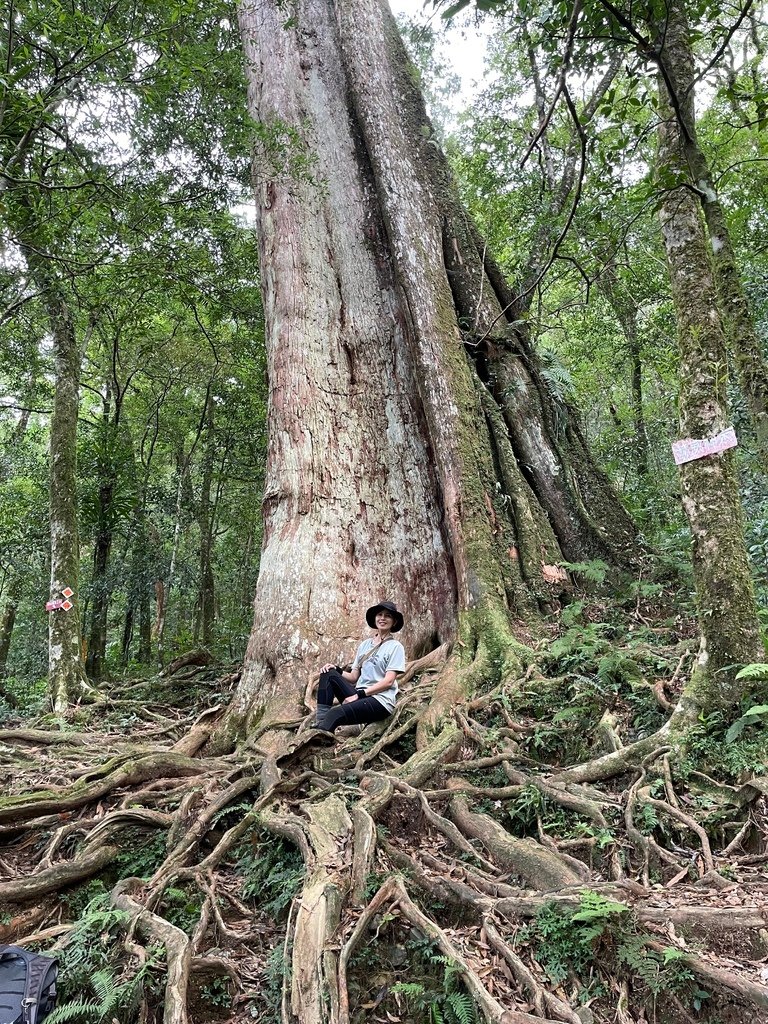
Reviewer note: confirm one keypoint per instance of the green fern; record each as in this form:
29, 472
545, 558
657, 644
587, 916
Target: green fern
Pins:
595, 570
82, 1010
758, 671
462, 1007
756, 715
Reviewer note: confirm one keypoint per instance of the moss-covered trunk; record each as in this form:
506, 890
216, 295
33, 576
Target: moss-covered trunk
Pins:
206, 598
738, 320
724, 591
66, 676
7, 622
412, 452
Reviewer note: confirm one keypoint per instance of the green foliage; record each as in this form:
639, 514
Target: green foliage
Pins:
141, 854
566, 940
756, 715
594, 571
272, 871
217, 993
708, 749
93, 985
756, 673
445, 1001
182, 907
600, 937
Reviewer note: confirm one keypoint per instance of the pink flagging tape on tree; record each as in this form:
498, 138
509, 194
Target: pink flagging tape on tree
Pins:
691, 448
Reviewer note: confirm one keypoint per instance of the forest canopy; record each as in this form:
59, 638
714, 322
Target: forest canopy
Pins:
291, 324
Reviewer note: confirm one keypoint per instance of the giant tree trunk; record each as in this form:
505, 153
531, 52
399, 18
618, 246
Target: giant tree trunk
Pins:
724, 591
412, 451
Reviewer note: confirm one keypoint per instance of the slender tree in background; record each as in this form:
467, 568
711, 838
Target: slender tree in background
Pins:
725, 594
66, 673
707, 294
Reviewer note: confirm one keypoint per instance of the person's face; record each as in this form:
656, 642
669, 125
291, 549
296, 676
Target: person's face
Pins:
384, 621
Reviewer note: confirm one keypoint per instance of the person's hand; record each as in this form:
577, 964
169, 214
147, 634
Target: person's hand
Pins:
349, 700
327, 668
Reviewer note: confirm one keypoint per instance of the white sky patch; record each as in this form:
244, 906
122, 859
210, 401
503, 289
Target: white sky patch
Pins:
464, 44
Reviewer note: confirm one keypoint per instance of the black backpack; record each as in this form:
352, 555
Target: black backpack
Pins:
27, 986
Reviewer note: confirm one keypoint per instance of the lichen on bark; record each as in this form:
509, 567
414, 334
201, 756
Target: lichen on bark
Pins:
724, 590
396, 466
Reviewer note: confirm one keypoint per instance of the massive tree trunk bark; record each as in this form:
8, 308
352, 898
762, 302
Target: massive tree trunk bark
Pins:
724, 591
412, 452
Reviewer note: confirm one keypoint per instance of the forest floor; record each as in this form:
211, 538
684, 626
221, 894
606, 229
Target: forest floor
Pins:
552, 859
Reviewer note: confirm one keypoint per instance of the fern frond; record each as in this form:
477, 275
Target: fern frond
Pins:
80, 1010
462, 1007
106, 989
757, 671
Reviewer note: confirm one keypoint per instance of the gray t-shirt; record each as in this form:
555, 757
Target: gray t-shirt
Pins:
389, 657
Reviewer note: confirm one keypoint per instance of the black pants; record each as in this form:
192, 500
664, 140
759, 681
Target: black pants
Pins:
357, 712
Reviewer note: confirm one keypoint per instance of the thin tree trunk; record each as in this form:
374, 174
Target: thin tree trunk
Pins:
145, 628
66, 677
97, 638
724, 591
7, 623
625, 310
163, 596
206, 591
739, 323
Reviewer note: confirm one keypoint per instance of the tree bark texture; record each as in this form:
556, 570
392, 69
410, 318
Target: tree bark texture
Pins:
412, 453
739, 323
7, 622
97, 634
66, 676
724, 590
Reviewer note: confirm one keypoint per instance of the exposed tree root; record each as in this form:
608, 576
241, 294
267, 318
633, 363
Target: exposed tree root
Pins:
461, 876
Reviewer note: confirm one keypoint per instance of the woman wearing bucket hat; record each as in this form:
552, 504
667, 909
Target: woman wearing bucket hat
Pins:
367, 692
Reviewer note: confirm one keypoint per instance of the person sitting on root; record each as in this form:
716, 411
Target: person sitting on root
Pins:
367, 692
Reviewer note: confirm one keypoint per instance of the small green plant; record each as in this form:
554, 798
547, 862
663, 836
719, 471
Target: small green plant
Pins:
272, 871
601, 933
446, 1002
566, 942
142, 854
217, 993
90, 988
373, 883
594, 571
182, 908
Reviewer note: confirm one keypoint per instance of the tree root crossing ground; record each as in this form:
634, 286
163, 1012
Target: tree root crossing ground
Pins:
477, 872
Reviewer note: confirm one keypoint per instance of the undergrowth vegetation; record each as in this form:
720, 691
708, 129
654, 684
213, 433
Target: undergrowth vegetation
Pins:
593, 944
